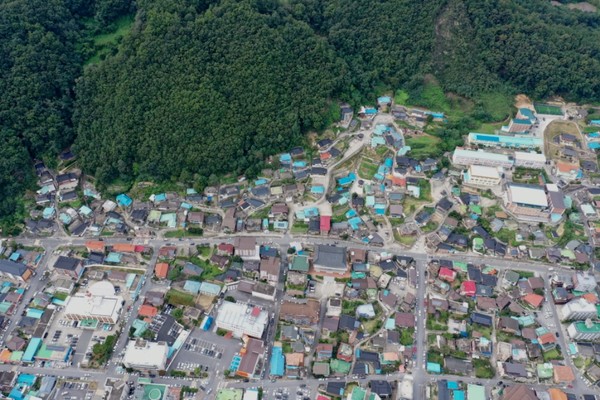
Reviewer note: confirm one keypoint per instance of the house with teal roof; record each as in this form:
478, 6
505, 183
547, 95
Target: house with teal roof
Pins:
377, 141
85, 211
434, 368
123, 200
113, 257
48, 213
209, 289
158, 198
347, 180
192, 286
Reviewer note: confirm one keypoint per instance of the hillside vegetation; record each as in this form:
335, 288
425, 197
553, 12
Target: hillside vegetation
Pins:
192, 89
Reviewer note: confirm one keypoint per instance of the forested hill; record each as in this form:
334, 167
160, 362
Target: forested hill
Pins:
204, 92
200, 88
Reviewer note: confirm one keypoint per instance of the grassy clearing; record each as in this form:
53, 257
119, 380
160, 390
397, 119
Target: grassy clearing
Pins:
554, 129
382, 151
490, 128
179, 298
423, 146
552, 355
367, 169
104, 42
204, 251
497, 105
406, 240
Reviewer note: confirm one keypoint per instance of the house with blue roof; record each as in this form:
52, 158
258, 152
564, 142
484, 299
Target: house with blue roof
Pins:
347, 180
209, 289
32, 348
377, 141
192, 286
158, 198
285, 158
113, 257
277, 365
48, 213
123, 200
434, 368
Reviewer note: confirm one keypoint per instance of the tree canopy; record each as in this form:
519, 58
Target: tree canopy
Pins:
199, 88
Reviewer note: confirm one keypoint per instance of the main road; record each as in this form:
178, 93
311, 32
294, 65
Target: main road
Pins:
420, 377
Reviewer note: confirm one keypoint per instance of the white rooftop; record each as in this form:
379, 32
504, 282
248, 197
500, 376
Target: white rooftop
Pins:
483, 171
481, 155
524, 155
145, 354
531, 195
90, 305
239, 316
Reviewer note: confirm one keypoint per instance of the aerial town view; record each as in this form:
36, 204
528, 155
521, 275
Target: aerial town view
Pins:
299, 200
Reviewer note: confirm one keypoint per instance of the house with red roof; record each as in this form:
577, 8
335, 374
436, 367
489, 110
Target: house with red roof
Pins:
325, 224
447, 274
533, 299
148, 311
225, 249
547, 341
161, 270
468, 288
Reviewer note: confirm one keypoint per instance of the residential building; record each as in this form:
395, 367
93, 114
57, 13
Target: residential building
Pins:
584, 282
300, 313
252, 355
480, 175
269, 269
144, 355
587, 330
246, 247
14, 271
69, 266
578, 310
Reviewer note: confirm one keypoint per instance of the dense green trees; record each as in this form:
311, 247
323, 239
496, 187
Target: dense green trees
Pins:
194, 93
204, 87
38, 66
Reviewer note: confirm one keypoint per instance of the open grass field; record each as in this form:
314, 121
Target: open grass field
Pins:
103, 42
547, 109
367, 169
423, 146
555, 128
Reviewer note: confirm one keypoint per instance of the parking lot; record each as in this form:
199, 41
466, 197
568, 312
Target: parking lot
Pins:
75, 390
204, 347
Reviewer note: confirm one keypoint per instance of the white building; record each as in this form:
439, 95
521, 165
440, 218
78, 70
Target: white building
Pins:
144, 355
529, 160
578, 310
527, 201
583, 282
98, 303
587, 330
480, 157
242, 319
482, 175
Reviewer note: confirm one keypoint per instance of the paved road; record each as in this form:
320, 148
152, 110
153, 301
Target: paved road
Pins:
421, 378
